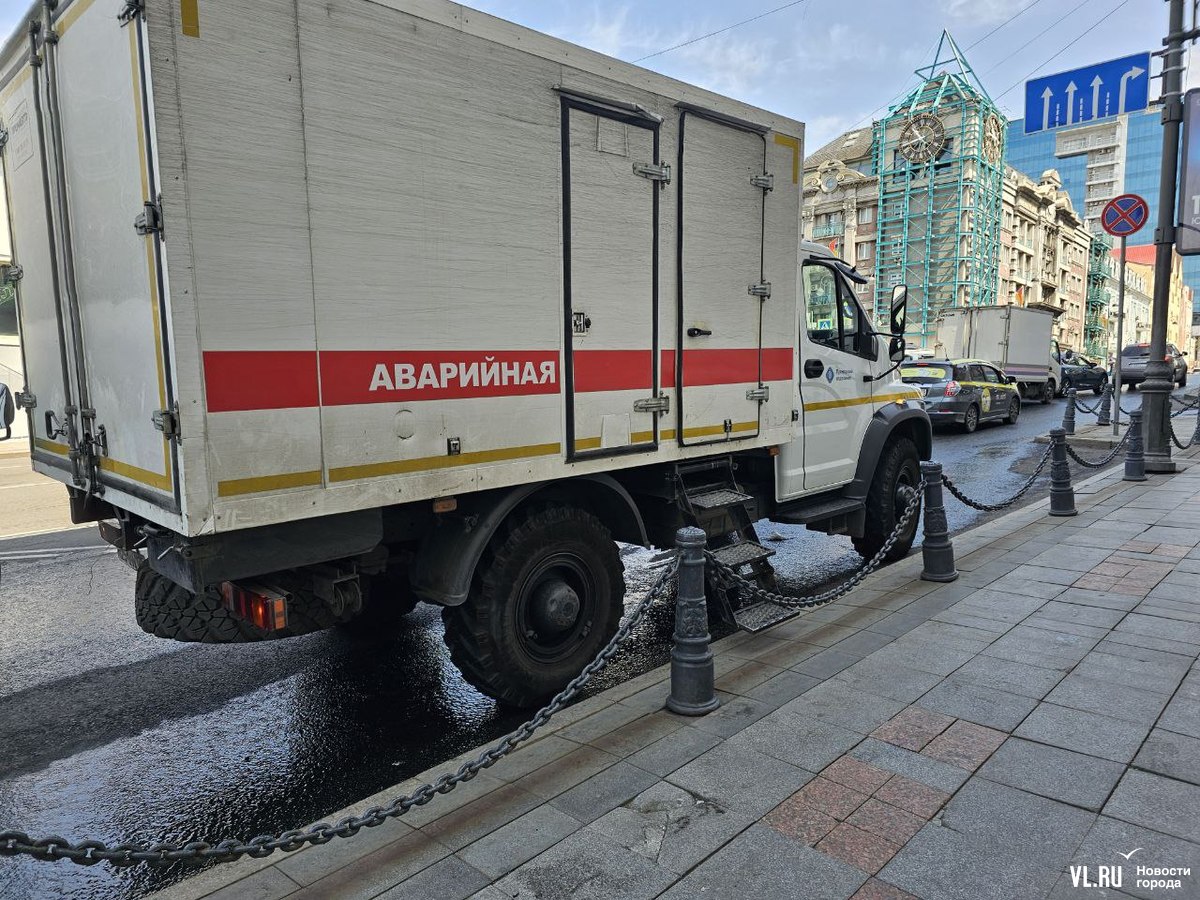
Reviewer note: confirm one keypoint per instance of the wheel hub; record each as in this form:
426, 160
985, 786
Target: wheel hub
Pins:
555, 607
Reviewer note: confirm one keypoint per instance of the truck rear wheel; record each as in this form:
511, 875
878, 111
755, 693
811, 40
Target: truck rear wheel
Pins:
899, 469
547, 596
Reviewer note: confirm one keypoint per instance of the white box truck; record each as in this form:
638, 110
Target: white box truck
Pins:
328, 308
1015, 339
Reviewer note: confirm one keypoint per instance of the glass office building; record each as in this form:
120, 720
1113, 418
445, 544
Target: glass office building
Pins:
1099, 160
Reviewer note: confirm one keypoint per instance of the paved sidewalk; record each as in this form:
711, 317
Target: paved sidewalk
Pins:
981, 739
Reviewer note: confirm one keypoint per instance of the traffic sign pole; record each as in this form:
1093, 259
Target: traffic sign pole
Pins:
1121, 217
1115, 375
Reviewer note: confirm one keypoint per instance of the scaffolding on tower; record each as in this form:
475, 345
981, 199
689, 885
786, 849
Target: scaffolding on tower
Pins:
939, 218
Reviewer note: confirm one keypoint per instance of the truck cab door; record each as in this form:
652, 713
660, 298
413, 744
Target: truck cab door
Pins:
837, 354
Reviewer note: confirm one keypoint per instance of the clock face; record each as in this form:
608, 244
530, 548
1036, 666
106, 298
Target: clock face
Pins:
922, 138
829, 183
993, 139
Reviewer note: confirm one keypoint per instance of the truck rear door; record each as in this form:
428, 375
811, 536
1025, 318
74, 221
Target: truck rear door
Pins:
107, 229
721, 282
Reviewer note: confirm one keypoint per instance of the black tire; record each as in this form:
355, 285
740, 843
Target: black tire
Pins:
504, 639
898, 465
1133, 385
970, 419
1049, 391
1066, 386
1014, 411
166, 610
1182, 382
1099, 388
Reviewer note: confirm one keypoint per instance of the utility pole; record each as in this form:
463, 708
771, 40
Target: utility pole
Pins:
1156, 399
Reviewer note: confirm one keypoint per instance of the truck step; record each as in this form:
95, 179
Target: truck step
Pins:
719, 498
759, 616
741, 553
803, 514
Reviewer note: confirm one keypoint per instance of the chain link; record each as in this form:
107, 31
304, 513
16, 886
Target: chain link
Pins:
1091, 411
90, 852
1184, 406
1180, 444
1003, 504
728, 577
1101, 463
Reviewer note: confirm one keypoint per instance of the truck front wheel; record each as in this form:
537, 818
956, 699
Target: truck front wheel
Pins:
546, 597
1049, 391
898, 472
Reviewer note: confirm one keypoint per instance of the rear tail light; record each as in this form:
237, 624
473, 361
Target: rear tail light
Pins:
953, 388
264, 607
1168, 358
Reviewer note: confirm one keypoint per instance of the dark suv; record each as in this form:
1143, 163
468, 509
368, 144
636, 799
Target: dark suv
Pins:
1134, 359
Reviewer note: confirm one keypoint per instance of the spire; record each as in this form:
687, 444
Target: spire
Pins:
949, 59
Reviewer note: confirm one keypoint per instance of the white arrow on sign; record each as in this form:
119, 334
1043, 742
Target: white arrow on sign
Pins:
1096, 83
1134, 72
1071, 101
1046, 95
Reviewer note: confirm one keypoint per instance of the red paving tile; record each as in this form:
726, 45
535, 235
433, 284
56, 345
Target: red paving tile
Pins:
856, 774
888, 822
874, 889
965, 744
799, 821
859, 848
831, 798
913, 796
912, 728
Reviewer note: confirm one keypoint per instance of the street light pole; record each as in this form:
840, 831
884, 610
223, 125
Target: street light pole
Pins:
1156, 399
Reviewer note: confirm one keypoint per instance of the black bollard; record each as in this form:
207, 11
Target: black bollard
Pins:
1105, 416
937, 552
1135, 461
1196, 434
1068, 422
1062, 495
692, 671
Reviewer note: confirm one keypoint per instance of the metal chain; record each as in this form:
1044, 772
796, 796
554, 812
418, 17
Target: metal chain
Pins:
1004, 504
1079, 405
1184, 407
1178, 443
90, 852
728, 577
1101, 463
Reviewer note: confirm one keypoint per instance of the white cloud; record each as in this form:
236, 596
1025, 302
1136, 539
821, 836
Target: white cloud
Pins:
981, 12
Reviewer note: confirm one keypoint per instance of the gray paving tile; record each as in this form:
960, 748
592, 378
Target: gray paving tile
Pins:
1159, 803
924, 657
449, 879
739, 777
1174, 755
1053, 772
863, 643
1136, 667
1084, 732
1110, 840
677, 749
468, 823
591, 799
731, 716
1077, 612
916, 766
842, 704
1013, 677
1031, 826
763, 864
316, 862
940, 864
809, 744
600, 723
1153, 626
897, 624
1038, 647
1115, 700
639, 733
826, 663
875, 676
1138, 639
565, 772
1101, 599
586, 866
521, 840
377, 871
671, 827
783, 688
265, 884
978, 703
746, 676
1071, 885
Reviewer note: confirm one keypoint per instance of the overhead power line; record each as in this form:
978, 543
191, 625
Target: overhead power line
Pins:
704, 37
1041, 33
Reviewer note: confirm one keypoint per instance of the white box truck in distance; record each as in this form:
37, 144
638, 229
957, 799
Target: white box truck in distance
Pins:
1016, 339
347, 305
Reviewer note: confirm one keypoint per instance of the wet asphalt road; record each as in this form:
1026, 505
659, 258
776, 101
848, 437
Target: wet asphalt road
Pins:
109, 733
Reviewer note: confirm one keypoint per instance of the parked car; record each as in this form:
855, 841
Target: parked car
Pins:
1134, 359
1082, 374
965, 392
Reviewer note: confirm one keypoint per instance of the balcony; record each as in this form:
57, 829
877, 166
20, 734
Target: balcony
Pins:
836, 229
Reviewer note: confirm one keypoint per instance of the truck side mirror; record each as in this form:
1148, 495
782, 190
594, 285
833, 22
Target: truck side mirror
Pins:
8, 412
899, 309
896, 350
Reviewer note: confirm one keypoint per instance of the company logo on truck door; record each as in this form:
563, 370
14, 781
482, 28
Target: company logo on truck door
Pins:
364, 376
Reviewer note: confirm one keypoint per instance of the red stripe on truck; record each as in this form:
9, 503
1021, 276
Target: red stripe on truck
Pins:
241, 380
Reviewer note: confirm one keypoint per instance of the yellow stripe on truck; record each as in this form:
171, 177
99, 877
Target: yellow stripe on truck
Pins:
236, 487
857, 401
429, 463
134, 473
189, 17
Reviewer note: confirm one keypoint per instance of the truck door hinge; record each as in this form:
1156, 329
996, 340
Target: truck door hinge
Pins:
653, 405
3, 137
166, 421
762, 290
11, 273
149, 221
25, 400
766, 181
660, 173
133, 9
761, 393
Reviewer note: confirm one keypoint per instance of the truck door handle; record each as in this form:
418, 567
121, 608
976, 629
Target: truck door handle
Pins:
813, 368
698, 332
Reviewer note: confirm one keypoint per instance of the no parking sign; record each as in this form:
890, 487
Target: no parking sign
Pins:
1124, 215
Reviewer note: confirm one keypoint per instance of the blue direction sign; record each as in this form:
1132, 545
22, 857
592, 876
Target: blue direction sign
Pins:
1093, 92
1124, 215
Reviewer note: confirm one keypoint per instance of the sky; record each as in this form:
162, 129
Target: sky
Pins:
832, 64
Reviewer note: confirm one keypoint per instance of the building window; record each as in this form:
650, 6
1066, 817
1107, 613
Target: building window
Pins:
866, 215
864, 251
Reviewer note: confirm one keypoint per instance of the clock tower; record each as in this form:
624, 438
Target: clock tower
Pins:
939, 155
